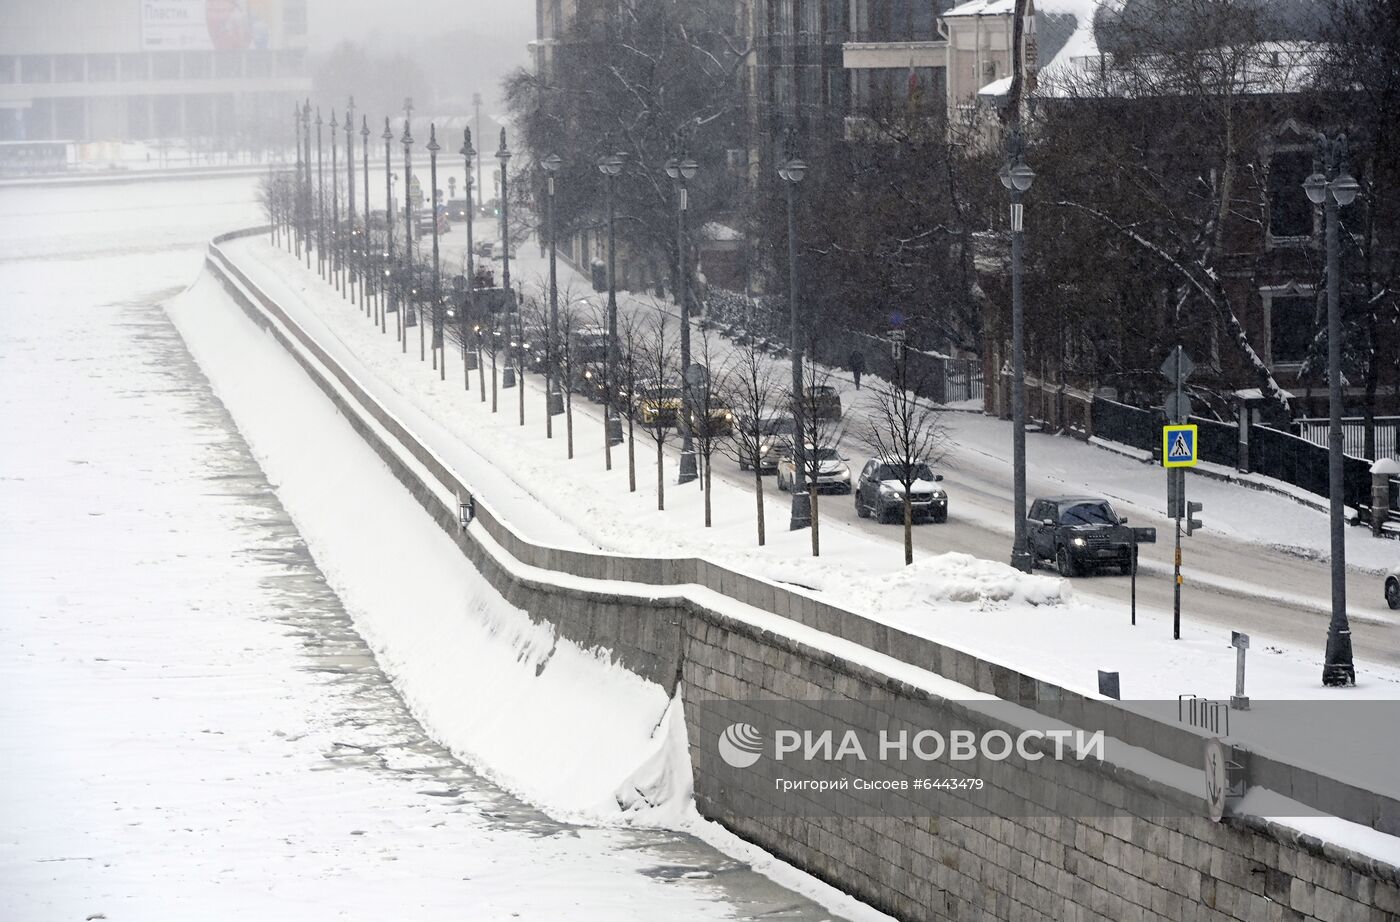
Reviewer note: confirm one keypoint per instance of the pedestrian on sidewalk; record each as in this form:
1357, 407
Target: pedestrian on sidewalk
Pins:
857, 365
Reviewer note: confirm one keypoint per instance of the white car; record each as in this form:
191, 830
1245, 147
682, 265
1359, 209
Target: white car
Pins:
833, 476
880, 492
1392, 588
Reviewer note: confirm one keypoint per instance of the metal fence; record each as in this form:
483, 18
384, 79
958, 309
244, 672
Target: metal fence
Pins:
1272, 452
1353, 434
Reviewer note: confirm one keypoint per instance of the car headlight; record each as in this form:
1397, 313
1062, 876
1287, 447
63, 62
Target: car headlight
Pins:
886, 490
939, 494
1080, 542
844, 475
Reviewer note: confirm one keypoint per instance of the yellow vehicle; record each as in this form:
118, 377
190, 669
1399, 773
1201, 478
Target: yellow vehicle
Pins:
720, 423
659, 406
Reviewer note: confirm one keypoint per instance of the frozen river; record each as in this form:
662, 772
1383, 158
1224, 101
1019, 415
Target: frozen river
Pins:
190, 724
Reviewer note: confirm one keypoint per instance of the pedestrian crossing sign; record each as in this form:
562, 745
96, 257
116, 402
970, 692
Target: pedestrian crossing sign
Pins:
1179, 446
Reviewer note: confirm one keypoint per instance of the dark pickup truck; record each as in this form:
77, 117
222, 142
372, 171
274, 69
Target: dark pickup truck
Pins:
1076, 534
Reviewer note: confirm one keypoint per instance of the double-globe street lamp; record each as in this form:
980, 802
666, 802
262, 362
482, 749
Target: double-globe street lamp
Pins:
439, 353
1017, 177
682, 170
469, 304
792, 171
411, 274
336, 242
388, 137
513, 377
554, 399
320, 199
352, 248
367, 267
610, 165
1332, 187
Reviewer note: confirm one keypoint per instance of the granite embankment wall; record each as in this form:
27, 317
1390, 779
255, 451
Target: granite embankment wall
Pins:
674, 619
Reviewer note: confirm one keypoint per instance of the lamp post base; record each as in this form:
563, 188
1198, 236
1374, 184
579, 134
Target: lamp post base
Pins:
801, 511
615, 430
689, 471
508, 378
1022, 561
556, 403
1338, 675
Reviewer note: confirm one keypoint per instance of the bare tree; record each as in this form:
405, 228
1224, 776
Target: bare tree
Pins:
711, 417
755, 383
824, 424
657, 394
907, 435
629, 341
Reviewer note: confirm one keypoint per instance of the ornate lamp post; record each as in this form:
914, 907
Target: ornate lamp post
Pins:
1332, 187
468, 152
409, 231
1017, 178
388, 137
503, 156
554, 399
792, 171
439, 354
353, 250
611, 166
336, 243
682, 170
367, 269
298, 218
320, 199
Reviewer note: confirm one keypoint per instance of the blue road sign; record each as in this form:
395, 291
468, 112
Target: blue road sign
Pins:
1179, 444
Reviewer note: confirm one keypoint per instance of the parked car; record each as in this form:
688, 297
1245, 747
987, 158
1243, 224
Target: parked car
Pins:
879, 492
775, 434
833, 476
1078, 533
1392, 588
823, 401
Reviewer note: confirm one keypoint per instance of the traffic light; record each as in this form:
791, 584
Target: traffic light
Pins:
1192, 523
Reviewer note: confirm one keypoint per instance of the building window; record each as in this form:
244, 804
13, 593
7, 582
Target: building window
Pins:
68, 68
9, 69
1293, 324
102, 67
198, 65
134, 67
35, 68
879, 88
165, 65
1290, 212
894, 20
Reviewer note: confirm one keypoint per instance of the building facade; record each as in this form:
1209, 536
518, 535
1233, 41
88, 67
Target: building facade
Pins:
114, 70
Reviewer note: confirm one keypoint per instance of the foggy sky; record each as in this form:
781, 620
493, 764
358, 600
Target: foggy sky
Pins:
507, 21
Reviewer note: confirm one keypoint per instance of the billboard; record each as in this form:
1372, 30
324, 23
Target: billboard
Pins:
207, 25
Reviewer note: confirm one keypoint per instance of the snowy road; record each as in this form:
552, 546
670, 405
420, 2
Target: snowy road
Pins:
192, 724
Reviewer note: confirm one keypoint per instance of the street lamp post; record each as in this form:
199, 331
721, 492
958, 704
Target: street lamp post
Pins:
1017, 177
554, 400
367, 268
792, 171
517, 342
468, 152
320, 199
682, 170
300, 228
336, 258
439, 354
1333, 187
388, 137
350, 199
611, 166
408, 233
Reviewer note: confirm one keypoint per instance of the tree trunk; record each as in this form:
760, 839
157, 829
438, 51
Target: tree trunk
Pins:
816, 519
707, 489
569, 420
758, 498
660, 477
631, 457
908, 528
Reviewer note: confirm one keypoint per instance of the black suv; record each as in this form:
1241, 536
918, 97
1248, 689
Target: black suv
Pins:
1079, 533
